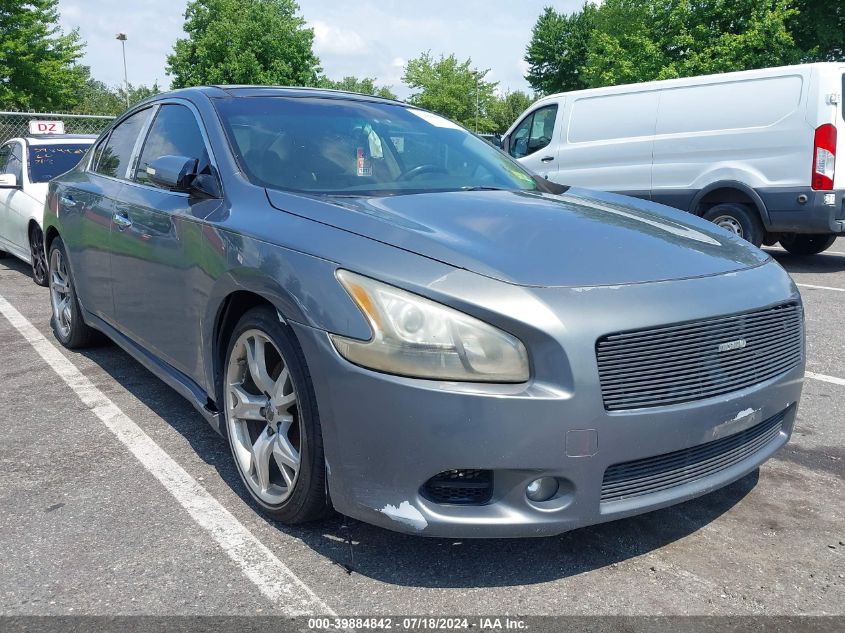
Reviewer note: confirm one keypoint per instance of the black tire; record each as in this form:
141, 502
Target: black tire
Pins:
307, 498
739, 219
802, 244
38, 256
77, 334
2, 254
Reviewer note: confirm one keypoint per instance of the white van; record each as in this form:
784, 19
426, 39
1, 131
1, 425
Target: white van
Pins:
753, 151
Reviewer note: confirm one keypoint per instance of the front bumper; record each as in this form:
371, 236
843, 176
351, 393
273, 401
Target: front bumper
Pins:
788, 214
385, 436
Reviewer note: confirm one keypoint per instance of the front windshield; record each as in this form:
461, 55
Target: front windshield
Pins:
48, 161
346, 147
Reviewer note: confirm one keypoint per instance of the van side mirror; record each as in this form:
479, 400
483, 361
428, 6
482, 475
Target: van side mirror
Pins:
8, 181
176, 173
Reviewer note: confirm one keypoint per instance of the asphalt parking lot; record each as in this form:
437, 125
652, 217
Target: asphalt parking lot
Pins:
88, 526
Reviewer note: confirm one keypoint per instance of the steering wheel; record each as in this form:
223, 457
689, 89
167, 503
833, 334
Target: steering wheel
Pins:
419, 170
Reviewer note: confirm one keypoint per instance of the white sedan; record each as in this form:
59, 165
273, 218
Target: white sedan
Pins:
26, 166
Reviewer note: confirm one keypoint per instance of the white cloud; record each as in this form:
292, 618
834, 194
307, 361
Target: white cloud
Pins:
333, 40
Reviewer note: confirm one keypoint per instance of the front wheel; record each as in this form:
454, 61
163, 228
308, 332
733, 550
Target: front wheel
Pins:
38, 256
800, 244
272, 421
67, 322
738, 219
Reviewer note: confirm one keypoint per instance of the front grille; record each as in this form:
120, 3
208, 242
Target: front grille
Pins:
653, 474
684, 362
460, 487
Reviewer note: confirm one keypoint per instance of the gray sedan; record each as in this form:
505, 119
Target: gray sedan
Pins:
385, 315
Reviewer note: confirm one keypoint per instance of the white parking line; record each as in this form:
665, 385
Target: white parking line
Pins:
820, 287
272, 577
823, 378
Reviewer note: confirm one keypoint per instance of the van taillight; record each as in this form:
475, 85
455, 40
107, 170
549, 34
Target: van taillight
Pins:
824, 156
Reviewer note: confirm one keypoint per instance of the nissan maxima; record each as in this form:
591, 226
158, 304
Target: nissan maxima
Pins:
386, 316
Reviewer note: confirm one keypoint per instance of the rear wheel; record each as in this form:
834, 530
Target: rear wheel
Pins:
67, 322
801, 244
738, 219
272, 421
38, 256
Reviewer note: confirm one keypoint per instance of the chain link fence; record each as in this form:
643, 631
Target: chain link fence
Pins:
14, 124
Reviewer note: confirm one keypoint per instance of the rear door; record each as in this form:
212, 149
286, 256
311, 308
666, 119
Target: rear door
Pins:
157, 265
87, 202
534, 140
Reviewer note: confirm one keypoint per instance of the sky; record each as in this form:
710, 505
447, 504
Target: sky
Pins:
364, 38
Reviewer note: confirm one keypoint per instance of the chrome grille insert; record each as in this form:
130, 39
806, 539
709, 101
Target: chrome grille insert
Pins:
692, 361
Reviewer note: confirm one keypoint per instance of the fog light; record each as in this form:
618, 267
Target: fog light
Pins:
542, 489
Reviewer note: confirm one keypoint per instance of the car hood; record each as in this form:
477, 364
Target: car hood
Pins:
579, 238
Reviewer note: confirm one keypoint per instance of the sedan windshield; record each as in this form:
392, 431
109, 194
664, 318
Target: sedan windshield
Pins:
48, 161
346, 147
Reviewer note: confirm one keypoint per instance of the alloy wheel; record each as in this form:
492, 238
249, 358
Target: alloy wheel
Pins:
60, 293
262, 417
39, 259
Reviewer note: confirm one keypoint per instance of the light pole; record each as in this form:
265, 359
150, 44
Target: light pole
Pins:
477, 89
122, 38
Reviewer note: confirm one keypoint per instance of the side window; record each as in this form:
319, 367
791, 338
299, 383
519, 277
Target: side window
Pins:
117, 152
534, 132
14, 164
5, 153
519, 139
174, 132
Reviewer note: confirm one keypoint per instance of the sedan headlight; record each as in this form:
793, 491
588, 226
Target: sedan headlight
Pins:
413, 336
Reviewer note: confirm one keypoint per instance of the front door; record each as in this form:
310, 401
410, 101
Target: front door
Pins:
157, 247
534, 142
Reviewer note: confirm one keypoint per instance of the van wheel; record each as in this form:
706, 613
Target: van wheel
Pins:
738, 219
801, 244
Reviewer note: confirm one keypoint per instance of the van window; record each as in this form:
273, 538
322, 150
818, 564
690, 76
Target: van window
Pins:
615, 116
534, 132
728, 106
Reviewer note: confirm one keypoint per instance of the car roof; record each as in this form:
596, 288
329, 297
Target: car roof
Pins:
58, 139
223, 91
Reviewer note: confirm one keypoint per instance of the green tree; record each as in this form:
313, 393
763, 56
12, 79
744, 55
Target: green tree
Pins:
244, 42
451, 88
626, 41
819, 30
641, 40
38, 62
366, 86
557, 52
507, 108
97, 98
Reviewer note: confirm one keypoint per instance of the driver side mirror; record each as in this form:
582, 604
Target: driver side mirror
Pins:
9, 181
175, 173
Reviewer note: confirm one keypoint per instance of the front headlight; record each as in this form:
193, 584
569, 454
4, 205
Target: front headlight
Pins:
413, 336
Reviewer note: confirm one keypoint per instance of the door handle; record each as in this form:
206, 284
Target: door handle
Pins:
122, 220
67, 201
547, 159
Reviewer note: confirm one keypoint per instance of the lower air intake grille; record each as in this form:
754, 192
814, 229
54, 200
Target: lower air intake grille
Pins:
460, 487
653, 474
